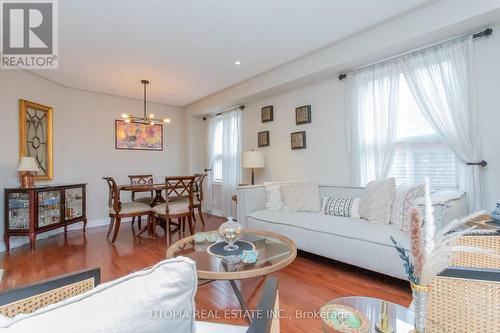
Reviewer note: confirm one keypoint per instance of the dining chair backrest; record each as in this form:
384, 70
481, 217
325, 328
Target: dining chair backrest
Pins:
179, 187
140, 180
114, 195
199, 178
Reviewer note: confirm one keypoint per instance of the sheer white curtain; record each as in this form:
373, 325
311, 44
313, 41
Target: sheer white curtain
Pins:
212, 123
231, 154
372, 101
442, 83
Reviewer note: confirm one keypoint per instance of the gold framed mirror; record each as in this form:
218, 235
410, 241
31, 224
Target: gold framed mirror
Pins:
35, 136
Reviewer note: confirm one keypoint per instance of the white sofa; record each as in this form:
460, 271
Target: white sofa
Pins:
350, 240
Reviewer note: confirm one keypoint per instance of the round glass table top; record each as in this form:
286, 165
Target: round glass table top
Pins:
274, 253
401, 319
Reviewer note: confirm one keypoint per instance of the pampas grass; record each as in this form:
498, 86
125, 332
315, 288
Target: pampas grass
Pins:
432, 250
417, 251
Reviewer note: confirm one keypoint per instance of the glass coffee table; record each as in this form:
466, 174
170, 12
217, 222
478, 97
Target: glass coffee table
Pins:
400, 318
274, 253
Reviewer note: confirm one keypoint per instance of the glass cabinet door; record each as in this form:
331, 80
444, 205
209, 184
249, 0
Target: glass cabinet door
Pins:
49, 207
19, 210
73, 199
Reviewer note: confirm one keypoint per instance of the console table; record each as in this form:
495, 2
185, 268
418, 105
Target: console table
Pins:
30, 211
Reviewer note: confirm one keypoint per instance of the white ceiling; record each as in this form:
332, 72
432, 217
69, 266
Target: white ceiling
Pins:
187, 48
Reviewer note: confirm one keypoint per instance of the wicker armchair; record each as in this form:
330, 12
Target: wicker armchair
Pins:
30, 298
479, 260
465, 300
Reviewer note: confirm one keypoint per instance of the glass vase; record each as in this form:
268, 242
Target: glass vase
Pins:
420, 294
230, 232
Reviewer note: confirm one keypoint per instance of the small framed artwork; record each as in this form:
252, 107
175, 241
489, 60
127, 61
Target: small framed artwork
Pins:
298, 140
303, 115
267, 114
263, 139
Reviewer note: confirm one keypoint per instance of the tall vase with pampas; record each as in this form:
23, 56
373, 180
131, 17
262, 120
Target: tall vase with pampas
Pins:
432, 251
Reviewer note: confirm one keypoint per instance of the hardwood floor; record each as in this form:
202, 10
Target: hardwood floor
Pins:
307, 284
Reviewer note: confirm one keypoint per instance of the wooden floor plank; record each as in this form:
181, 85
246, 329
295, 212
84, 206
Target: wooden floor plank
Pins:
307, 284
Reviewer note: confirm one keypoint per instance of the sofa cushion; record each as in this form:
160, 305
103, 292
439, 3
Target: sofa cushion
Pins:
376, 202
342, 226
273, 195
301, 198
340, 207
143, 301
404, 200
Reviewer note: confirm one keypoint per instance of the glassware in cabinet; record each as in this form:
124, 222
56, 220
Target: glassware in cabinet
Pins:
19, 210
49, 207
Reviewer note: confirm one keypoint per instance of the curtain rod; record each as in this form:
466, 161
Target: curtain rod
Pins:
485, 33
218, 113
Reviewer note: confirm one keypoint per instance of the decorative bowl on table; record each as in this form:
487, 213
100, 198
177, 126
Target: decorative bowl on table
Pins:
344, 319
230, 232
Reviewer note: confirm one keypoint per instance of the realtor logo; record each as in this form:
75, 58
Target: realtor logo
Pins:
29, 34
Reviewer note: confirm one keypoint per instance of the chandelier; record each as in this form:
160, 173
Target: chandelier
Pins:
146, 118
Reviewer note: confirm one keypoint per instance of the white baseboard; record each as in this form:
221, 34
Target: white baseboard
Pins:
17, 241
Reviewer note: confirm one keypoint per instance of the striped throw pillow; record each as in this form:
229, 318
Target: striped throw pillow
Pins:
340, 207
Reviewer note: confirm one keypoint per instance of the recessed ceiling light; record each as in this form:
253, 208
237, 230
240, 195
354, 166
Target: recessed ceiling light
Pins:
237, 63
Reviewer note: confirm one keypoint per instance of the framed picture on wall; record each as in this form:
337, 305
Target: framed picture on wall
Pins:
138, 136
298, 140
267, 114
263, 139
35, 133
303, 115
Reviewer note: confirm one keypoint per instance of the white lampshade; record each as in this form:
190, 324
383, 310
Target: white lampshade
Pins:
27, 164
252, 159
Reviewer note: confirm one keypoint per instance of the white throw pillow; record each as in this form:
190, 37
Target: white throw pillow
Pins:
376, 202
404, 200
143, 301
340, 207
301, 198
273, 195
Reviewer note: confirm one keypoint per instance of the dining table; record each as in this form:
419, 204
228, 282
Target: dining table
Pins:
158, 188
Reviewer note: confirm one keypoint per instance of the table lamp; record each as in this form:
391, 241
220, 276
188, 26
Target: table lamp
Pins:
26, 166
252, 160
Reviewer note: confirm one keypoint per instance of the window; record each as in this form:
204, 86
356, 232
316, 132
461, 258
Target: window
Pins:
217, 150
419, 151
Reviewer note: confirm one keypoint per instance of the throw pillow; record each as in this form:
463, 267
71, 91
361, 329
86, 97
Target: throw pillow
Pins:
273, 195
301, 198
376, 202
404, 200
340, 207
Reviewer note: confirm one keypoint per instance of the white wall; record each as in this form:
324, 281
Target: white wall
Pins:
325, 158
84, 137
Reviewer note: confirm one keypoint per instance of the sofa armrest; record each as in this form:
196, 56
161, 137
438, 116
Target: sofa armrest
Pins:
250, 199
30, 298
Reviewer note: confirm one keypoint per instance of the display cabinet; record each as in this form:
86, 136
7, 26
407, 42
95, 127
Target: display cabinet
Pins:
30, 211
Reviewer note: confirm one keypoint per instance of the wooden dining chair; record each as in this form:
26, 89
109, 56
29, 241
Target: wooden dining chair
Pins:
119, 210
141, 180
178, 205
199, 178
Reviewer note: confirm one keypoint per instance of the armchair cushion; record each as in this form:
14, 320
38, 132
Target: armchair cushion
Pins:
180, 207
132, 207
144, 301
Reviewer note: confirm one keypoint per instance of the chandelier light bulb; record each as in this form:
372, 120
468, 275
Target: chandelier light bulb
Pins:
151, 115
124, 115
166, 120
127, 121
152, 123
